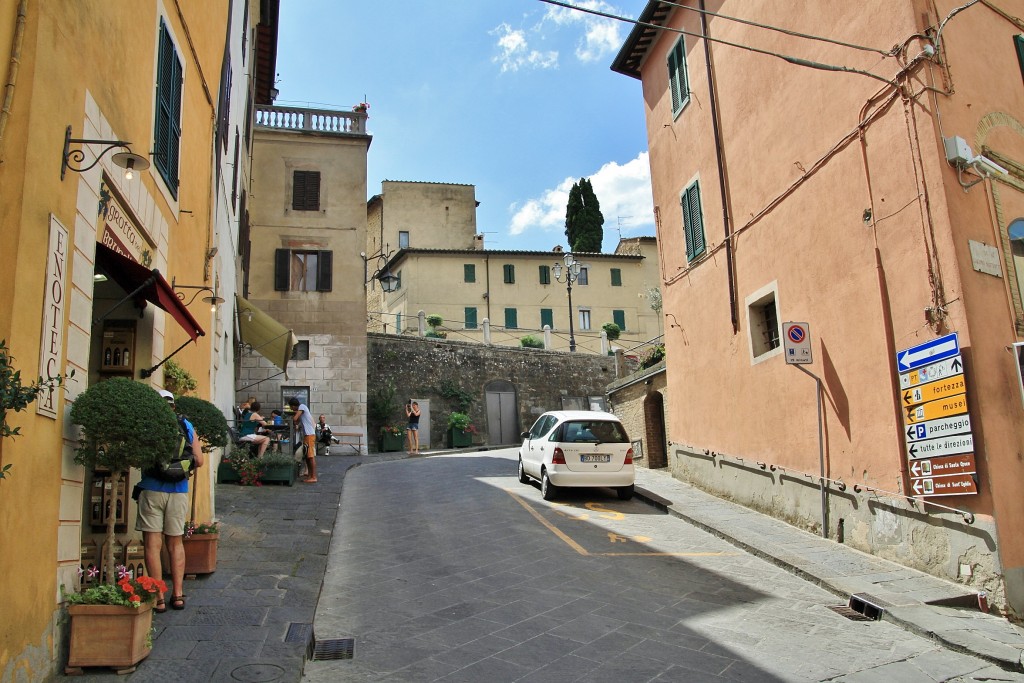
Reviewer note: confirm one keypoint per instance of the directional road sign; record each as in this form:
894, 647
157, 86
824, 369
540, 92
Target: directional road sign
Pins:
930, 373
943, 407
796, 341
928, 352
944, 445
961, 424
957, 485
933, 390
941, 467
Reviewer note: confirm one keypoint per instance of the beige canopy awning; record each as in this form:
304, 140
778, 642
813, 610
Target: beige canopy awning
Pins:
263, 334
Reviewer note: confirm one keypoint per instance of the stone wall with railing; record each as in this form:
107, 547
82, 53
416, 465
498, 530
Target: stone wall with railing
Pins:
303, 120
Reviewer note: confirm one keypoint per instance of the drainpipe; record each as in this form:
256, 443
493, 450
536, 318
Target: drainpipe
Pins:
19, 39
487, 283
722, 182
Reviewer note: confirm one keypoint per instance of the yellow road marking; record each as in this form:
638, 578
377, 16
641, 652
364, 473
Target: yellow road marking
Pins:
614, 538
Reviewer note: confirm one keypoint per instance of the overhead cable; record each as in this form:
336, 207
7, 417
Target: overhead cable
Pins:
792, 60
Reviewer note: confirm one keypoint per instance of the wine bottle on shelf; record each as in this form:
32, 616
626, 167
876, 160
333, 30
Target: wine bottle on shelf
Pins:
106, 356
117, 356
124, 356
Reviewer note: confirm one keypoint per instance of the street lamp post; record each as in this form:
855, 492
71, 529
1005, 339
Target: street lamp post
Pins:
572, 273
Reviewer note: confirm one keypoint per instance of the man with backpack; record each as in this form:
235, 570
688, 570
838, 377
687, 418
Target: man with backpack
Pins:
163, 509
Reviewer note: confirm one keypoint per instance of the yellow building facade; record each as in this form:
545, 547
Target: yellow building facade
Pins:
86, 81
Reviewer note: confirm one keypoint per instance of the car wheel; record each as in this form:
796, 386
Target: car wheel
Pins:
522, 473
547, 489
625, 492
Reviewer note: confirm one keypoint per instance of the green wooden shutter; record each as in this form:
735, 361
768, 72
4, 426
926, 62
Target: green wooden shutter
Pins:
693, 223
619, 318
547, 318
167, 127
677, 75
511, 319
282, 263
616, 277
1018, 42
545, 275
469, 273
470, 316
324, 267
510, 273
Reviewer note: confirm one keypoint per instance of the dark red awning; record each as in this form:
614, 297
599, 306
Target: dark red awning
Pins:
151, 285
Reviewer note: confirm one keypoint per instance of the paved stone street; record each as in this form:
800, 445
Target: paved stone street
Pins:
446, 568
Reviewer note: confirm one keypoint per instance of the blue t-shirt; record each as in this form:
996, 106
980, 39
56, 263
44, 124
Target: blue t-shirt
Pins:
153, 484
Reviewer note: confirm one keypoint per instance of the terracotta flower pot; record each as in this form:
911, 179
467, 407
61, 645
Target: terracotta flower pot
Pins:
200, 553
109, 635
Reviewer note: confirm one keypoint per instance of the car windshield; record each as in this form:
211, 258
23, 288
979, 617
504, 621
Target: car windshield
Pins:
591, 431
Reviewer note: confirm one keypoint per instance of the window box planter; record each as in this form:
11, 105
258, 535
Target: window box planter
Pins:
458, 438
392, 443
226, 474
280, 474
109, 635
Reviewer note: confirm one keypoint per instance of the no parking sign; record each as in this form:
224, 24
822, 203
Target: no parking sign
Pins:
796, 340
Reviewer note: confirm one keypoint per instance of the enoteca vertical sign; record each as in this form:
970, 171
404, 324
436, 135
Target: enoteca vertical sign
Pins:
51, 356
937, 426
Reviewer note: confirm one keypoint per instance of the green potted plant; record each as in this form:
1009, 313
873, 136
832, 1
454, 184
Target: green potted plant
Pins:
111, 624
531, 342
460, 430
392, 438
124, 424
435, 321
277, 467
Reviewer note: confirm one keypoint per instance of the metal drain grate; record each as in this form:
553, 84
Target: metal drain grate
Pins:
299, 633
337, 648
849, 613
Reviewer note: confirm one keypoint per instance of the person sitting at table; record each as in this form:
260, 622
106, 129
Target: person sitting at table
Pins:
249, 428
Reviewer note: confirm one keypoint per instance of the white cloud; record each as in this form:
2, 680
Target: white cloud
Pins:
624, 192
514, 51
601, 35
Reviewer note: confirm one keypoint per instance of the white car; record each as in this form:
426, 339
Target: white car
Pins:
577, 448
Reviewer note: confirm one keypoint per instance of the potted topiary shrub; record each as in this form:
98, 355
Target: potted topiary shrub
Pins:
435, 321
212, 429
124, 424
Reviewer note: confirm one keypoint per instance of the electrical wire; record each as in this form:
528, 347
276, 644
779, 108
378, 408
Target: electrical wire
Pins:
797, 61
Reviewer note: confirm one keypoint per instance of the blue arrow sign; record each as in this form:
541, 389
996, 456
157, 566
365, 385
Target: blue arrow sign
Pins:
929, 352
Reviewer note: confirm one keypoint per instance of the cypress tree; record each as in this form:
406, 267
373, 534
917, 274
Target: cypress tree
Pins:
583, 218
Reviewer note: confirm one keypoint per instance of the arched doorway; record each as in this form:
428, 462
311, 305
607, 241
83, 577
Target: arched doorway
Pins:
654, 429
502, 412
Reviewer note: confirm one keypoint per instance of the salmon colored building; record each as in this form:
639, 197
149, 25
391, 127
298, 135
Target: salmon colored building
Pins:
861, 174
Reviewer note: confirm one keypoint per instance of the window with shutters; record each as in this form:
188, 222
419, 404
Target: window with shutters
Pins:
616, 277
693, 221
510, 273
678, 81
469, 272
234, 175
303, 271
511, 319
619, 318
167, 127
301, 350
470, 318
547, 318
545, 275
306, 190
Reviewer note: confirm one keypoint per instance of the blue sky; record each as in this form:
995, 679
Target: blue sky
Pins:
515, 97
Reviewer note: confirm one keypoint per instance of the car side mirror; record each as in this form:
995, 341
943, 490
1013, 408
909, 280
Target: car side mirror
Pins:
525, 435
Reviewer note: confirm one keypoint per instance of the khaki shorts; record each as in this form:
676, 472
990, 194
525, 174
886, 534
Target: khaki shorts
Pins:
310, 443
159, 511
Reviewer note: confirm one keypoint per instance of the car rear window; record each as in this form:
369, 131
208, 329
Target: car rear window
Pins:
591, 431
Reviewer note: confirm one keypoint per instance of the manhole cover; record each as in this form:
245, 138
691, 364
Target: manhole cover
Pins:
257, 673
337, 648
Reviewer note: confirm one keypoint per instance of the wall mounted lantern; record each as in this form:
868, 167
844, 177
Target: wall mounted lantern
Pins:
388, 280
126, 159
211, 299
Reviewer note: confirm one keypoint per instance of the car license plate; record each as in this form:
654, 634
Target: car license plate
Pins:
595, 458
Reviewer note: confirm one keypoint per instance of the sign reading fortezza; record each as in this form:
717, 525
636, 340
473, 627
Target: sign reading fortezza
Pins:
119, 232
